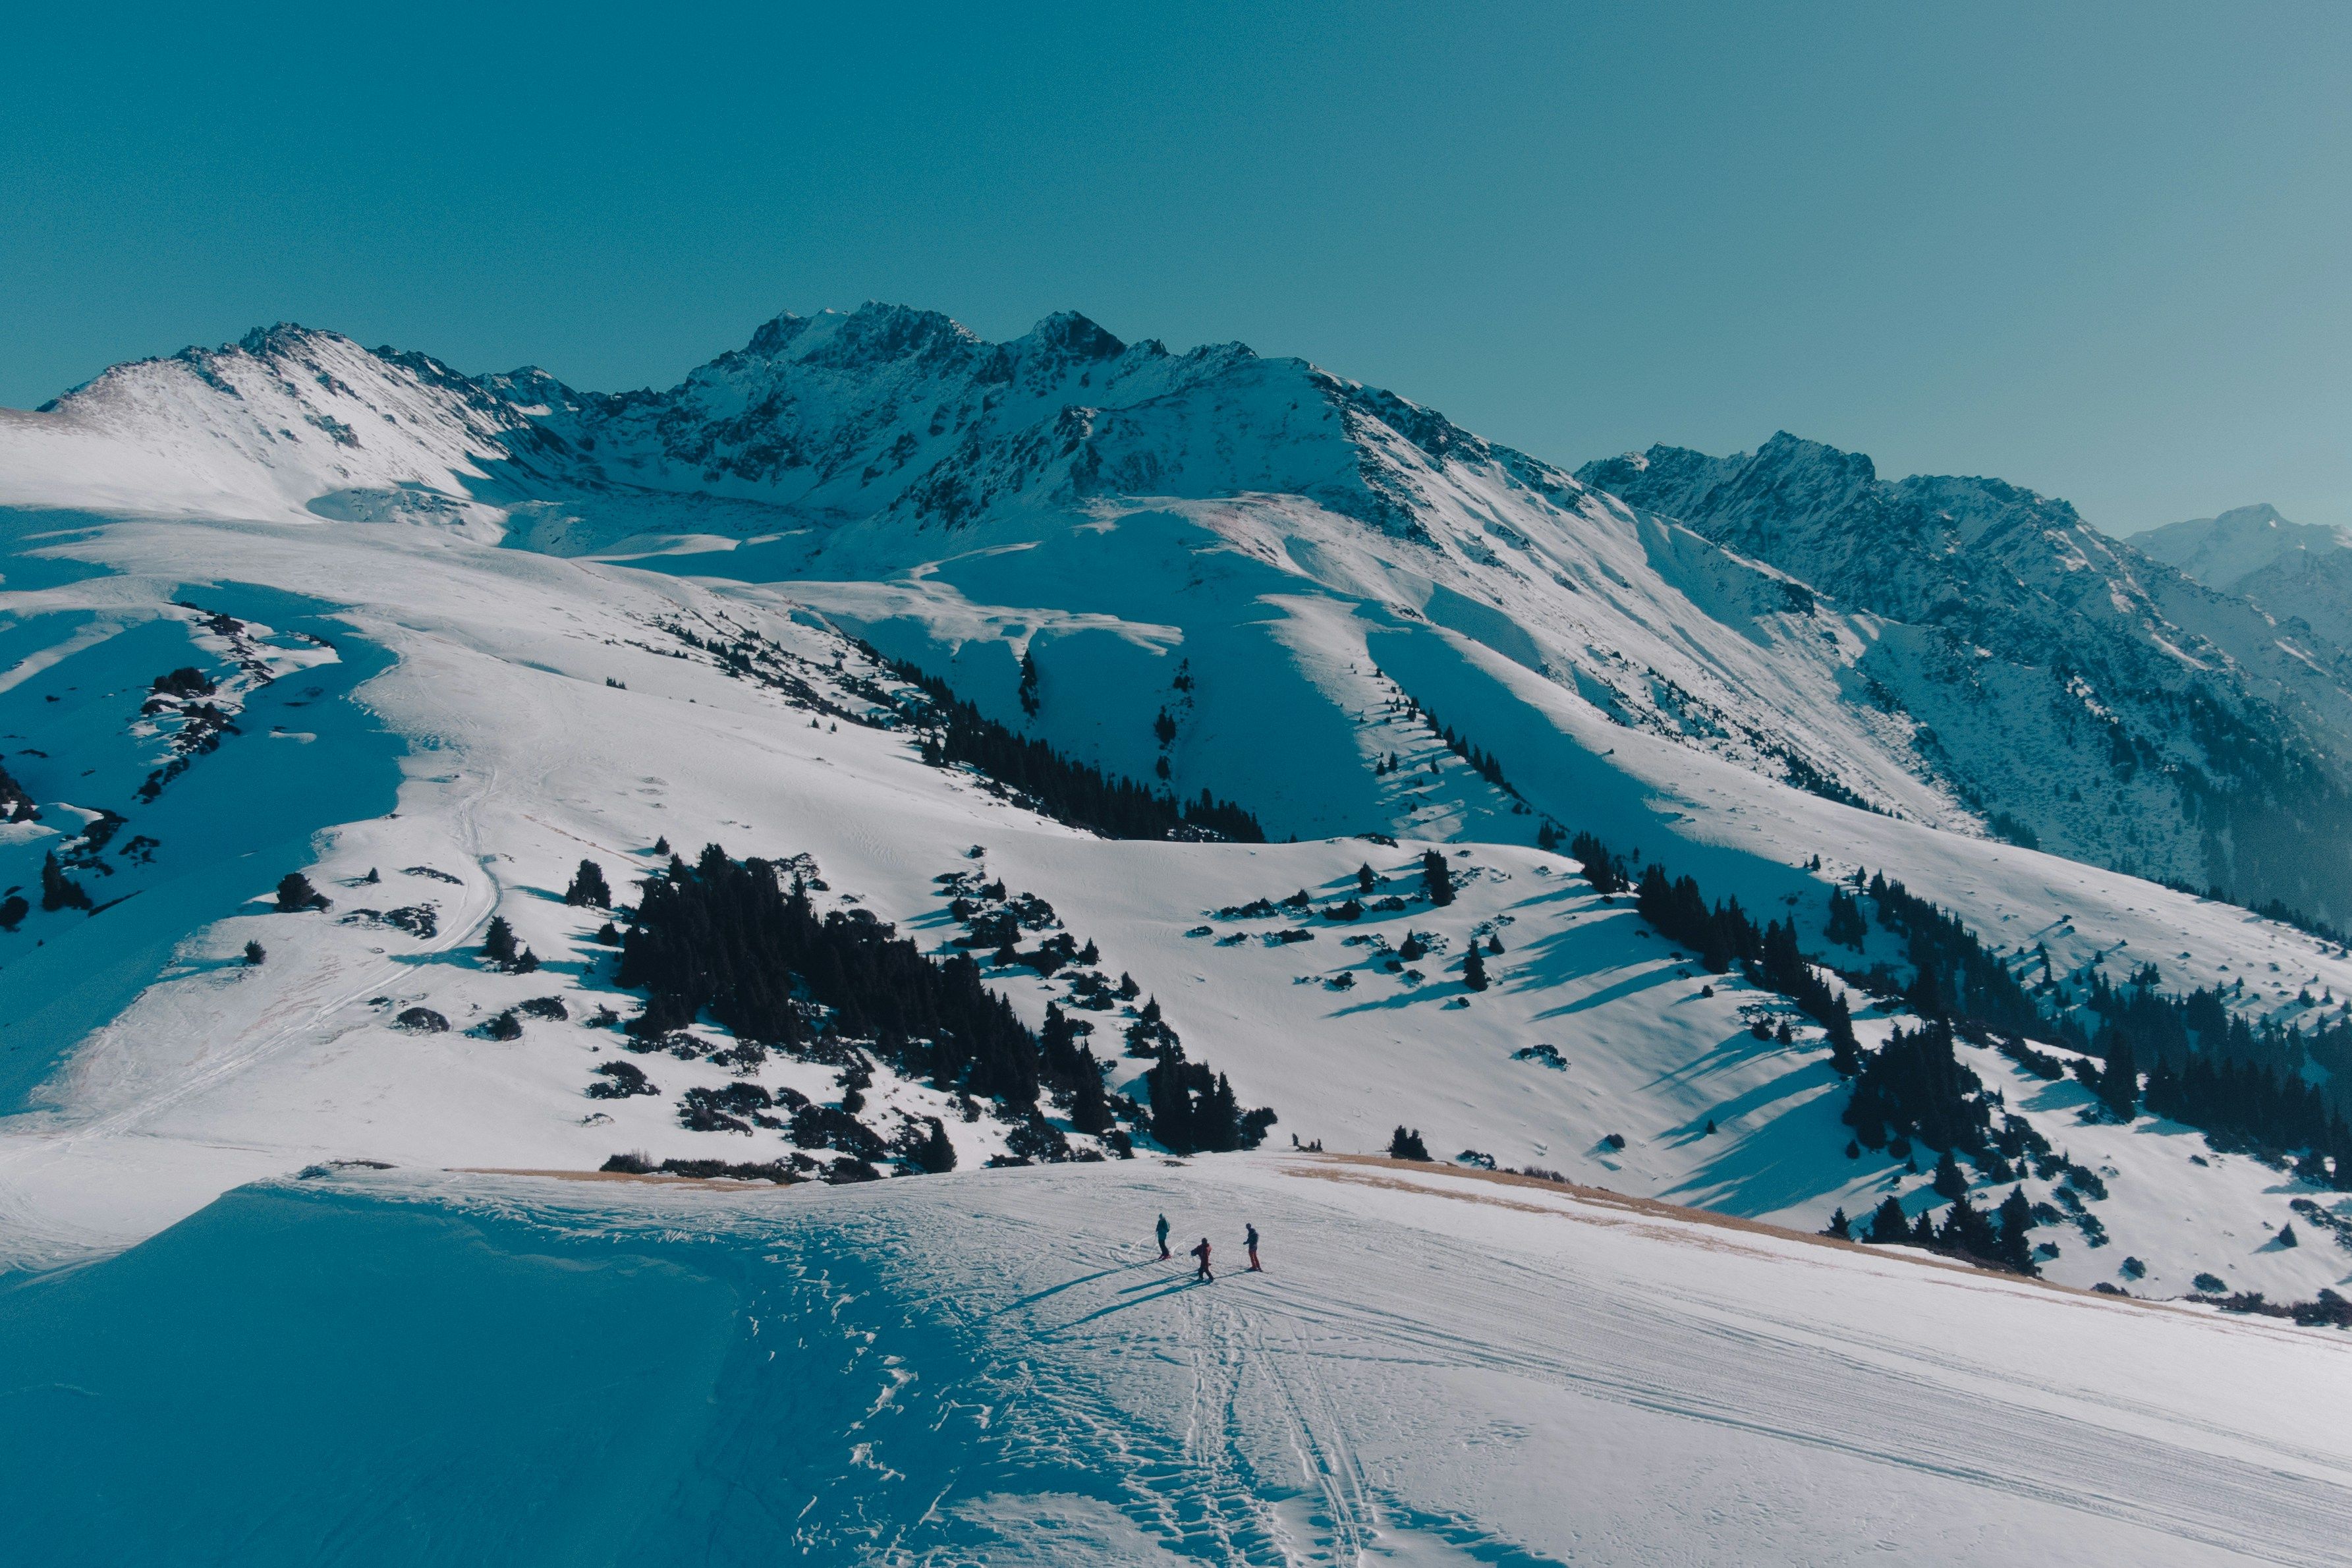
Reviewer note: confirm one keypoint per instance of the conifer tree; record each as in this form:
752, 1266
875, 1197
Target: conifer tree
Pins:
1949, 1181
1436, 878
1839, 1226
59, 891
255, 953
1365, 881
295, 893
2015, 1250
1890, 1225
498, 941
1474, 970
1923, 1230
1089, 1106
2119, 1082
936, 1154
589, 889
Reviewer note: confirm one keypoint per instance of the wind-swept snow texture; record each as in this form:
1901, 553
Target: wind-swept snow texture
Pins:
1434, 1369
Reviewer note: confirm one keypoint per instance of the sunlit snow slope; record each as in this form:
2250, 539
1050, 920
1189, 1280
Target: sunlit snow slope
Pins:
1434, 1369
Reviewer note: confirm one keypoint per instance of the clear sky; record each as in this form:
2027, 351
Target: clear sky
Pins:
2105, 251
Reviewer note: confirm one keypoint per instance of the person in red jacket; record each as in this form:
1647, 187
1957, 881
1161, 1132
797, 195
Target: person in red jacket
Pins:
1201, 1252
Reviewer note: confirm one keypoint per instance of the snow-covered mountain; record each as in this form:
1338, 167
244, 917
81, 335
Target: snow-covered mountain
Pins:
427, 642
2223, 552
2081, 695
2297, 571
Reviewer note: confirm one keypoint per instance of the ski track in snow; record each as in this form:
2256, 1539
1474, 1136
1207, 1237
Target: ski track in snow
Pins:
1433, 1370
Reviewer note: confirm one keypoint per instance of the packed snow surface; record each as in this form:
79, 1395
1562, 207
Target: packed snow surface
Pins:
997, 1368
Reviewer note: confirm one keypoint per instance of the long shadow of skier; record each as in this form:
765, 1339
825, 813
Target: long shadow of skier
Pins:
1181, 1285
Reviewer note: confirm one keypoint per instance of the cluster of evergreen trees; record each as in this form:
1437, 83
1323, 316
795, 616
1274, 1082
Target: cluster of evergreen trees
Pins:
1193, 1109
1070, 791
1915, 1087
1603, 869
1956, 975
1782, 968
2211, 1068
1676, 909
1482, 761
2001, 1239
724, 936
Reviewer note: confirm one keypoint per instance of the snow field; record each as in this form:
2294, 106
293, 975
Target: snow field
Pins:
523, 760
1436, 1368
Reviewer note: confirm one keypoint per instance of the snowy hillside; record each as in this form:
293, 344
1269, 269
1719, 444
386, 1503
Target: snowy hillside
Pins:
2081, 695
297, 621
1432, 1369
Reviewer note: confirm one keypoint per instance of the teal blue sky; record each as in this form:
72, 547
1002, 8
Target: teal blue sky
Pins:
2100, 250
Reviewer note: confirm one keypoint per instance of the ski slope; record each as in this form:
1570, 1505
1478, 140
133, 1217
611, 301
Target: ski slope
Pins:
1436, 1368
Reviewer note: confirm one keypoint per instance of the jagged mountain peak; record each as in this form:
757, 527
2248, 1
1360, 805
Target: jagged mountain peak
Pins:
1074, 336
2224, 551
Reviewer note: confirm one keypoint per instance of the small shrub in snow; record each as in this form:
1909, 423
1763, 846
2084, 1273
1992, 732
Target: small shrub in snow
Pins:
551, 1008
722, 1109
421, 1020
501, 1026
1407, 1145
255, 954
59, 891
621, 1079
2210, 1284
12, 911
636, 1163
1476, 1158
295, 894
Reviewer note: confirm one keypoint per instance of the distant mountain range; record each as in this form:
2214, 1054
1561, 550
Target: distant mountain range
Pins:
1960, 651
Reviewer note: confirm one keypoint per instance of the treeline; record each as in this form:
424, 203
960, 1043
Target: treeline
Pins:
724, 936
1915, 1088
1954, 976
2211, 1068
2002, 1238
1191, 1109
1072, 792
1483, 762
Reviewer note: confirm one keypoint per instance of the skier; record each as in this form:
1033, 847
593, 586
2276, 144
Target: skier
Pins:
1201, 1252
1164, 1253
1252, 1241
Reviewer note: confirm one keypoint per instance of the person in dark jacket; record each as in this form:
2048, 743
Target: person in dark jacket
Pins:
1165, 1253
1201, 1252
1252, 1242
